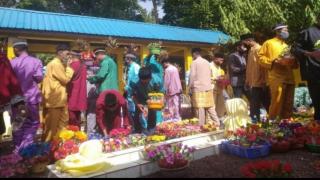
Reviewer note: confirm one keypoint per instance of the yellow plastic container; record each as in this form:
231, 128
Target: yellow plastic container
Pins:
156, 101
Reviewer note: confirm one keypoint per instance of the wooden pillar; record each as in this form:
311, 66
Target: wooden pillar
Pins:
120, 63
188, 62
187, 58
144, 53
10, 52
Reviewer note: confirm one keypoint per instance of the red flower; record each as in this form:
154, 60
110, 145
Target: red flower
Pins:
309, 140
287, 168
247, 171
299, 131
251, 175
252, 138
240, 133
60, 154
268, 168
119, 132
54, 145
255, 127
275, 165
261, 133
73, 128
318, 141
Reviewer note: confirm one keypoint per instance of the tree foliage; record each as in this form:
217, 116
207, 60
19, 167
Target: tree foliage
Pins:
237, 17
155, 11
119, 9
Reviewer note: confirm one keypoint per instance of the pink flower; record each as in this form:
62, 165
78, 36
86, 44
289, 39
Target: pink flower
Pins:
21, 170
69, 144
6, 172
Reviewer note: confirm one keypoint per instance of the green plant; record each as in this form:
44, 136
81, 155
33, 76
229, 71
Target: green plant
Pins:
45, 58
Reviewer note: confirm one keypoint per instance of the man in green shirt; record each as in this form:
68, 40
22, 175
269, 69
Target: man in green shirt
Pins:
107, 76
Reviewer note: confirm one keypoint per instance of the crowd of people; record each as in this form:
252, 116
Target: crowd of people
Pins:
78, 83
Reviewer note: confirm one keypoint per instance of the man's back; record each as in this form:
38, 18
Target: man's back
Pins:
237, 69
111, 79
200, 78
172, 80
29, 73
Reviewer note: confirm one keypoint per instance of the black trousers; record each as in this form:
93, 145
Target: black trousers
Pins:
239, 91
2, 125
259, 97
314, 90
151, 121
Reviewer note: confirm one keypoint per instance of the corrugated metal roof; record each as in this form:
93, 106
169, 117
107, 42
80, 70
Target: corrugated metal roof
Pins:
19, 19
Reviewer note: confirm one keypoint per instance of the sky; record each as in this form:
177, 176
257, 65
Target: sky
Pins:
148, 6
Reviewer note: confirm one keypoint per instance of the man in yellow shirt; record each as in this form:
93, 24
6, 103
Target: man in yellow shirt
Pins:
218, 74
274, 56
54, 93
256, 79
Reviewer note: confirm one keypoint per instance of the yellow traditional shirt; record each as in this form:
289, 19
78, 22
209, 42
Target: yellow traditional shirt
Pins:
216, 72
256, 75
54, 88
271, 50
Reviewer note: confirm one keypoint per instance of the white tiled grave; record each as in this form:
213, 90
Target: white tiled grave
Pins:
131, 163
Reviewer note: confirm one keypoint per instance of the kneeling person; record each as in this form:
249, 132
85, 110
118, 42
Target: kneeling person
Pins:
112, 112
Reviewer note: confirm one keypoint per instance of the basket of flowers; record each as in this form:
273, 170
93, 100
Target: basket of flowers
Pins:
286, 57
249, 142
299, 138
313, 137
37, 155
67, 142
156, 101
12, 165
267, 169
279, 139
170, 157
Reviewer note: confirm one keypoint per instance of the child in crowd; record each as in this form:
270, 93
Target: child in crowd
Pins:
141, 89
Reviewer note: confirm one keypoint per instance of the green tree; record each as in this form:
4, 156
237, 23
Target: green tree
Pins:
237, 17
155, 10
41, 5
118, 9
7, 3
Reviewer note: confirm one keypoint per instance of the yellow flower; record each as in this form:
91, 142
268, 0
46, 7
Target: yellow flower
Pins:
156, 138
260, 125
81, 136
66, 135
159, 138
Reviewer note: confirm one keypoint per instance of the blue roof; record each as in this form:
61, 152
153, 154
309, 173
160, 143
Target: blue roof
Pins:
18, 19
